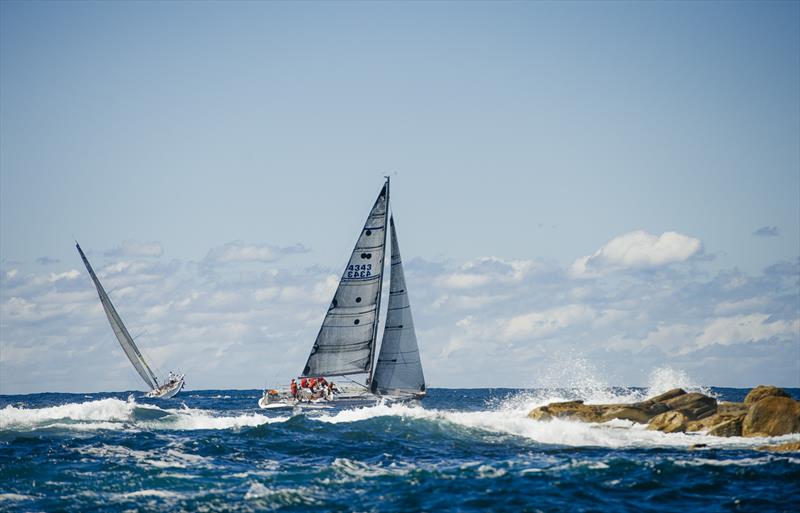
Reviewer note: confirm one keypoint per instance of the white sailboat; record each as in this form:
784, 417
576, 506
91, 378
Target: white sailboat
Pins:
174, 382
347, 340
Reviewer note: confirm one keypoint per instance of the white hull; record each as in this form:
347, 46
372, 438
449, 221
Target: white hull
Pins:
166, 390
284, 401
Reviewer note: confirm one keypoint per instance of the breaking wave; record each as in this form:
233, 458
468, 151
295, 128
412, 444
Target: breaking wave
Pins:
118, 414
497, 418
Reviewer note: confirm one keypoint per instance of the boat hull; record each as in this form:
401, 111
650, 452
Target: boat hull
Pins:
167, 390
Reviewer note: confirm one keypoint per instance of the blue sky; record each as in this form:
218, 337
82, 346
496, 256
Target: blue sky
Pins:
615, 183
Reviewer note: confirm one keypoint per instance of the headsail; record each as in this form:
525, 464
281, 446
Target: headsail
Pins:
125, 339
346, 341
399, 368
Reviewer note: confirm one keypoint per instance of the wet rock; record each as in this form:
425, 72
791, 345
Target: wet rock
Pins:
567, 410
727, 422
669, 422
730, 427
669, 394
785, 447
694, 405
772, 416
732, 409
630, 412
762, 391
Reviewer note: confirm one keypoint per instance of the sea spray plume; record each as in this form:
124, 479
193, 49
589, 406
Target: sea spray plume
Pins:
667, 378
567, 377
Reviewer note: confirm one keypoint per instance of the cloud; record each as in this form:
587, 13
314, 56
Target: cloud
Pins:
132, 248
637, 250
488, 270
45, 260
746, 328
546, 323
240, 252
766, 231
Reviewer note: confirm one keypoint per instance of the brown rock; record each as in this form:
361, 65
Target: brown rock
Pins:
694, 405
567, 410
730, 427
785, 447
669, 422
632, 412
720, 424
772, 416
762, 391
733, 409
666, 396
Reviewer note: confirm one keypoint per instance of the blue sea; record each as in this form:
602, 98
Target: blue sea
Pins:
456, 450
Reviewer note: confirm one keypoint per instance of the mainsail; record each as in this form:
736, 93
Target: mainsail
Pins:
346, 341
125, 339
399, 369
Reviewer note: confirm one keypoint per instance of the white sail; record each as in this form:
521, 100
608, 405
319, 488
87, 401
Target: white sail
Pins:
346, 341
399, 369
124, 338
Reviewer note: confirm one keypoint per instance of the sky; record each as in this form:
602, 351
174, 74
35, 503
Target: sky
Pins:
583, 190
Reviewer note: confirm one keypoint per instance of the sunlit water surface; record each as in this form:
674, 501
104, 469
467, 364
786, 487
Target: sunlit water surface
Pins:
457, 450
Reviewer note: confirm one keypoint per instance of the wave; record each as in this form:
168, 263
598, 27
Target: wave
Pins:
118, 414
514, 421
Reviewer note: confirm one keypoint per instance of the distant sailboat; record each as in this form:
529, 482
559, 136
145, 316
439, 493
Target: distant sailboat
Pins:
174, 382
347, 340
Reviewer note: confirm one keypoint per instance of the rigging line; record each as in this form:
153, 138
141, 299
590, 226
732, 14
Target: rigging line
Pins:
356, 382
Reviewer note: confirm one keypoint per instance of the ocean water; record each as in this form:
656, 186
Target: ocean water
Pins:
457, 450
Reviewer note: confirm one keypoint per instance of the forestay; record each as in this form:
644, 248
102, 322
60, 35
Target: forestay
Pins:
399, 369
124, 338
346, 340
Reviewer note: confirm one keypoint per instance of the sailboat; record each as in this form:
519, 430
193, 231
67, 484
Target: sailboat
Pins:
174, 382
347, 340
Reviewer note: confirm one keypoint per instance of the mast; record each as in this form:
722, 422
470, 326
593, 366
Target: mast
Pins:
380, 289
121, 332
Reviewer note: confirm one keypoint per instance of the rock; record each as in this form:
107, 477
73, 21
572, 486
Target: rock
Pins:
730, 427
669, 394
669, 422
567, 410
762, 391
772, 416
785, 447
720, 424
698, 446
630, 412
733, 409
694, 405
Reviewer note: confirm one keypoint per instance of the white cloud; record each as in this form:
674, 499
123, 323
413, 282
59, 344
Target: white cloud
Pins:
488, 270
746, 328
238, 252
132, 248
547, 322
637, 250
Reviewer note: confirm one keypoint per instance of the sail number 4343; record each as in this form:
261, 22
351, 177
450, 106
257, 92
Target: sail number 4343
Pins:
359, 271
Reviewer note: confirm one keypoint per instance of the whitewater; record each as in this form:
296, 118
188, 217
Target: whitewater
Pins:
457, 450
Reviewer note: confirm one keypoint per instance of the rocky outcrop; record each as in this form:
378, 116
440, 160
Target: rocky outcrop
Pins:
693, 406
767, 411
772, 416
669, 422
575, 410
762, 391
726, 422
